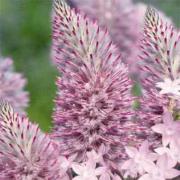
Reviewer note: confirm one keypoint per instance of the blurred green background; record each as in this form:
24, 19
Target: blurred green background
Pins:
25, 35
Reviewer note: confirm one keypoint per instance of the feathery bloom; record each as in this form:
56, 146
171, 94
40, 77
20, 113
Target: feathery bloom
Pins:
12, 85
94, 98
160, 61
25, 152
124, 21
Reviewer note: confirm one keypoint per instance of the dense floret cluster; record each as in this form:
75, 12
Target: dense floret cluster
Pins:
97, 133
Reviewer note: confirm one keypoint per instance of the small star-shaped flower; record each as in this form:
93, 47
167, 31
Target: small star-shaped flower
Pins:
87, 171
134, 165
162, 170
169, 87
169, 129
173, 151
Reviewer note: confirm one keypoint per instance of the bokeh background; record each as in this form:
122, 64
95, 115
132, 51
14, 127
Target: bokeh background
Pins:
25, 35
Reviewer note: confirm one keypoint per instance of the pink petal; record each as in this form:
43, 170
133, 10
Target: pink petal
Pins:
144, 147
167, 118
149, 166
152, 156
161, 150
77, 168
172, 173
171, 161
127, 164
116, 177
77, 178
66, 177
105, 176
166, 140
131, 151
162, 162
145, 177
100, 170
159, 128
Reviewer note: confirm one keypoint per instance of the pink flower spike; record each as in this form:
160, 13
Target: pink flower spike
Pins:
160, 49
169, 129
159, 62
25, 151
93, 104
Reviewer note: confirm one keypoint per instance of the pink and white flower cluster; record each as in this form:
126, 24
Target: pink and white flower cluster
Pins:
159, 163
97, 135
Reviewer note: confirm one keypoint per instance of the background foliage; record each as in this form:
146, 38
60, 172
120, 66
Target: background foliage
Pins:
25, 35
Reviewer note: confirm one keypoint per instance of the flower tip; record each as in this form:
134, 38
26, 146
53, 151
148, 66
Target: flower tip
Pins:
4, 107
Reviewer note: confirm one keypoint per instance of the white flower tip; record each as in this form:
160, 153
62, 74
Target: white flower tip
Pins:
5, 108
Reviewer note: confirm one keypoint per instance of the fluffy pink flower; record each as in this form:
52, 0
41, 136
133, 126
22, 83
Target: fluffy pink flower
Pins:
162, 170
12, 85
160, 62
124, 21
94, 99
25, 152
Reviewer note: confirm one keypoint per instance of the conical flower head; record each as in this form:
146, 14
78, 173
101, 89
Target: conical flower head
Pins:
25, 152
93, 105
12, 85
124, 21
160, 60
